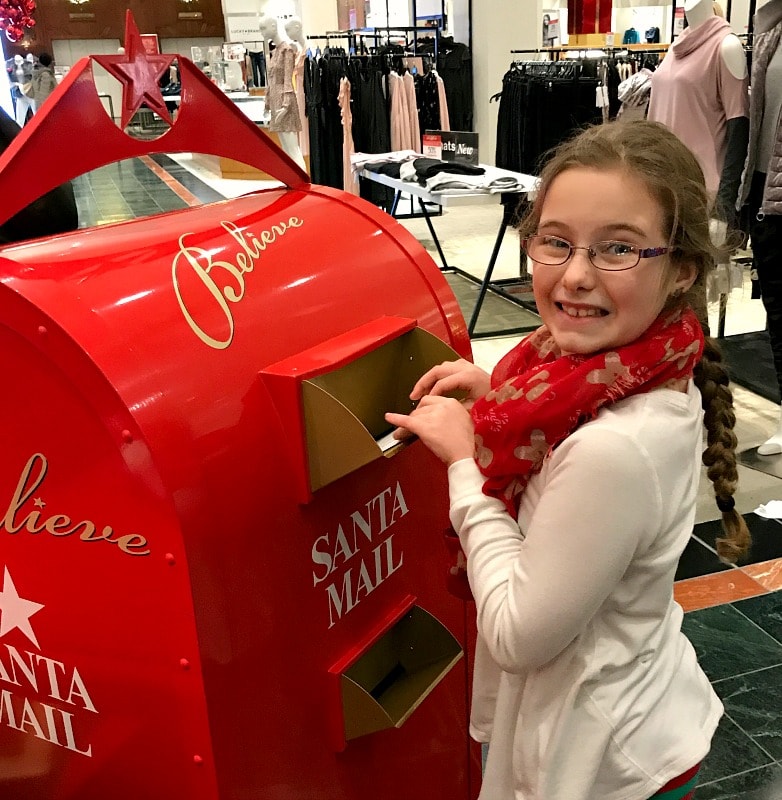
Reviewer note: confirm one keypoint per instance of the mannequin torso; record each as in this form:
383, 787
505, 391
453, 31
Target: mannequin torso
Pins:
697, 12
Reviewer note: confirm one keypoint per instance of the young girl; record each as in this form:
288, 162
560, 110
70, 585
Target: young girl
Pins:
573, 476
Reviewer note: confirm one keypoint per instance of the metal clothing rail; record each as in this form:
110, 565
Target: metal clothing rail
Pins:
385, 32
609, 50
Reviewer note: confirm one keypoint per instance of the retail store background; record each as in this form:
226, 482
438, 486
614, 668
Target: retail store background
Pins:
735, 614
492, 28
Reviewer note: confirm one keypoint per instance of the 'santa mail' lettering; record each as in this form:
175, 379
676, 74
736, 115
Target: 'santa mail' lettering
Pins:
350, 580
28, 671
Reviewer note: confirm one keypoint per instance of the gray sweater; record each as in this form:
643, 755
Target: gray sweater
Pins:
768, 31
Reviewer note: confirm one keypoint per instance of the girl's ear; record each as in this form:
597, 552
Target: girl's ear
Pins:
685, 277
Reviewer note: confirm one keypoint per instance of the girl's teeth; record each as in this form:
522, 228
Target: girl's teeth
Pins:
581, 312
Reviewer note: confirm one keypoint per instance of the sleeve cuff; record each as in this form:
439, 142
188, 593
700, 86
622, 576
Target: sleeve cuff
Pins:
464, 479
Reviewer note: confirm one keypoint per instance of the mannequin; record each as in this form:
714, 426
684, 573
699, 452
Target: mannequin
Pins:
762, 172
701, 92
280, 95
704, 100
295, 31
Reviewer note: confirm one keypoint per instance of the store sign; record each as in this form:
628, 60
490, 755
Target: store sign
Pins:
460, 146
243, 27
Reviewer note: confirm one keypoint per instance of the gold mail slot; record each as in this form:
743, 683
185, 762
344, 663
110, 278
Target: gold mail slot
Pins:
344, 409
383, 687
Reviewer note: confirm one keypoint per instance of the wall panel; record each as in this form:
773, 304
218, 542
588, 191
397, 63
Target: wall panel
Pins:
105, 19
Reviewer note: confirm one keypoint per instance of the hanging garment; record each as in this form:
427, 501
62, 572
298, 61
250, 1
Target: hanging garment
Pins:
315, 123
371, 123
258, 67
634, 95
429, 103
631, 37
454, 66
350, 183
281, 96
332, 70
401, 138
445, 122
695, 94
412, 111
298, 88
541, 105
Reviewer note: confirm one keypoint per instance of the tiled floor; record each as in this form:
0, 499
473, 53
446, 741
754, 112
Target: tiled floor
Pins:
734, 617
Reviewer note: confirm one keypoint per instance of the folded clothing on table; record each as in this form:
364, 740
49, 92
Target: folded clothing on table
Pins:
444, 183
421, 169
359, 161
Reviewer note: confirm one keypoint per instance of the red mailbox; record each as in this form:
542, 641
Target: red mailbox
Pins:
218, 581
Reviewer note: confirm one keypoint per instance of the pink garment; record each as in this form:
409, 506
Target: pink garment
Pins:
280, 96
445, 122
412, 112
395, 111
298, 86
349, 179
695, 94
401, 138
407, 134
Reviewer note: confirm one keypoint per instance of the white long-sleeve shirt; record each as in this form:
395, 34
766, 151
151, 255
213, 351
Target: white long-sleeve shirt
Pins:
584, 684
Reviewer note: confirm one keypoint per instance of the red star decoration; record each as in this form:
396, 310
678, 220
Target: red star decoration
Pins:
139, 73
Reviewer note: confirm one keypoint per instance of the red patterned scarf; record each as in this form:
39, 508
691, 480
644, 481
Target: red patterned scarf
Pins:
539, 397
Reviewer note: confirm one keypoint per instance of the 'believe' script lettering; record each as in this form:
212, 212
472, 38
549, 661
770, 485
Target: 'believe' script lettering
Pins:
20, 517
223, 280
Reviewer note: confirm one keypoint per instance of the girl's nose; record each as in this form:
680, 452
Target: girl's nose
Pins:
579, 273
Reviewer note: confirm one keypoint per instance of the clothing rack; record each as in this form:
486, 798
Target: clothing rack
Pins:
609, 51
387, 31
433, 33
327, 37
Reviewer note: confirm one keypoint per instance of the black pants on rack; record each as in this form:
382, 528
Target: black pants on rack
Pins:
331, 70
766, 235
258, 65
312, 105
371, 128
539, 112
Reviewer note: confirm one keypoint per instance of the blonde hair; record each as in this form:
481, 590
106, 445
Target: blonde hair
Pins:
673, 176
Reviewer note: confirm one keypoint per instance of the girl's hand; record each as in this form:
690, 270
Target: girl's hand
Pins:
453, 377
443, 424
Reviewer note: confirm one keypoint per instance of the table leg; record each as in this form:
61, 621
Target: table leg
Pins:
395, 203
722, 315
434, 234
506, 217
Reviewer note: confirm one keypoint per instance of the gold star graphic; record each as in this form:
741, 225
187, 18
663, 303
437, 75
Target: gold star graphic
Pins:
38, 503
139, 73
